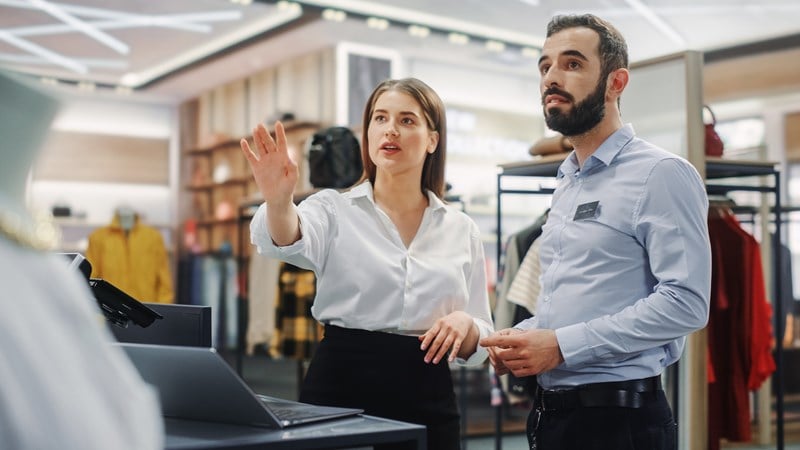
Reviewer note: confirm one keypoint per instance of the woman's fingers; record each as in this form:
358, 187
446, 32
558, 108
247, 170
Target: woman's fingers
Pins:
280, 136
248, 153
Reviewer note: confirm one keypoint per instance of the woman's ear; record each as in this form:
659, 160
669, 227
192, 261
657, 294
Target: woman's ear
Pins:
433, 141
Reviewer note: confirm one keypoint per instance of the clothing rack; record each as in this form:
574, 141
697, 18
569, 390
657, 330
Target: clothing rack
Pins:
716, 169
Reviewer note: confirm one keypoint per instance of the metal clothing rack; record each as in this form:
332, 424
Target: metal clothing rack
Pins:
716, 169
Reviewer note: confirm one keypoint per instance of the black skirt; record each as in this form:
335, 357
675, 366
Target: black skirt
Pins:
385, 375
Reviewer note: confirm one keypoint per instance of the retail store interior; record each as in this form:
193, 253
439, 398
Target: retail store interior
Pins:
155, 97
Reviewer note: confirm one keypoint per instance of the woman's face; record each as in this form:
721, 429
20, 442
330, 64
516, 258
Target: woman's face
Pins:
399, 138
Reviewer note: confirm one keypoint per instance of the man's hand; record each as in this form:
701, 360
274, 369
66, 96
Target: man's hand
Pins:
523, 353
455, 332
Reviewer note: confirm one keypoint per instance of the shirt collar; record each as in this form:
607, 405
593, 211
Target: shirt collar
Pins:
364, 190
604, 154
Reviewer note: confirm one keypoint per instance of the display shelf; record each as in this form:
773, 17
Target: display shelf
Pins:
217, 179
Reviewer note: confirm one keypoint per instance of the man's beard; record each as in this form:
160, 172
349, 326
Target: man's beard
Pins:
584, 115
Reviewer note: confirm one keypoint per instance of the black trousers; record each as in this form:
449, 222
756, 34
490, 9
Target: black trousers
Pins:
385, 375
650, 427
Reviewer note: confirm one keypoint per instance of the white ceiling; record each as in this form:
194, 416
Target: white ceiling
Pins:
175, 49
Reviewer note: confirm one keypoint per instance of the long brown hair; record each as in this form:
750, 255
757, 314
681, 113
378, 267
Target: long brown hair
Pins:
435, 117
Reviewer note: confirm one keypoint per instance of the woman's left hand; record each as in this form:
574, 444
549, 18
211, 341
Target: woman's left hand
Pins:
450, 333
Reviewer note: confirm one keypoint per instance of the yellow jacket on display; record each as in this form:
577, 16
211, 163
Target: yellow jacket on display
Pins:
134, 261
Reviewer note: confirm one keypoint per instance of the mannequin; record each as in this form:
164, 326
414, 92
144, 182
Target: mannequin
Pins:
127, 217
132, 256
63, 385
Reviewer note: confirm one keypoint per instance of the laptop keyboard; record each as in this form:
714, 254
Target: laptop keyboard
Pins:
291, 412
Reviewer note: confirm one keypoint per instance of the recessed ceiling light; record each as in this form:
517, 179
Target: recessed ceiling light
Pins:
377, 23
334, 15
530, 52
458, 38
495, 46
419, 31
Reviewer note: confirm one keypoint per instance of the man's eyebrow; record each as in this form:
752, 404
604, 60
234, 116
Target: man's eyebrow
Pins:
574, 53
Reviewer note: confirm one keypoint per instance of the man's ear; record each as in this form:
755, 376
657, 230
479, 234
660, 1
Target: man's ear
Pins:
616, 82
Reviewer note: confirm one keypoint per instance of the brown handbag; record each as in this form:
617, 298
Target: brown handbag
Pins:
714, 145
550, 145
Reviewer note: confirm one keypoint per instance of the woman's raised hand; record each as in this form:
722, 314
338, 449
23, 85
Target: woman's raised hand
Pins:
274, 170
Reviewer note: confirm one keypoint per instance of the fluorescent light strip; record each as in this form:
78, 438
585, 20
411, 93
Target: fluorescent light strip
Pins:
116, 64
656, 21
396, 14
178, 21
44, 30
269, 22
101, 37
138, 21
43, 52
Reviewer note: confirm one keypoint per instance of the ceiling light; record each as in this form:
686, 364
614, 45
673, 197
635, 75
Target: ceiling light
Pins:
495, 46
419, 31
87, 86
650, 15
334, 15
130, 79
81, 26
395, 14
38, 50
530, 52
288, 6
458, 38
377, 23
49, 81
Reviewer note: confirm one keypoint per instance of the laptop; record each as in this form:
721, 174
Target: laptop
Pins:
196, 383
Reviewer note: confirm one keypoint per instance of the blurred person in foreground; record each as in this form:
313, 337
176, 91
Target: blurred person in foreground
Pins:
63, 386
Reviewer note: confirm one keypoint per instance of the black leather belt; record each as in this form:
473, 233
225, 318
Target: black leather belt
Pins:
623, 394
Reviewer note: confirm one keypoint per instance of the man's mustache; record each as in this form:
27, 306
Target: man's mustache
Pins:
556, 91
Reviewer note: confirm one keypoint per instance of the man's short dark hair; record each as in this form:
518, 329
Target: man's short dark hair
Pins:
613, 48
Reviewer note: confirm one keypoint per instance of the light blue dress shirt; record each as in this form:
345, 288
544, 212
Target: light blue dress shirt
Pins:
626, 279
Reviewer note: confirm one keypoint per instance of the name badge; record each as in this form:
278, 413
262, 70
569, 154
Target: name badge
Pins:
587, 211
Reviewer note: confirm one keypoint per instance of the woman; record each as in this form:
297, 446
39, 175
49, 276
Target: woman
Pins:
401, 284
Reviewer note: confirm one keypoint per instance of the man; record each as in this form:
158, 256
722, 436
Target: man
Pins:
625, 258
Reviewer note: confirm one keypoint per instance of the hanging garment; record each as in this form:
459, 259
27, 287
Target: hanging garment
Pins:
298, 331
219, 288
134, 261
739, 330
524, 290
516, 296
262, 301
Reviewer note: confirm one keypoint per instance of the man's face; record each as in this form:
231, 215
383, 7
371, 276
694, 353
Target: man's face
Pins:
573, 89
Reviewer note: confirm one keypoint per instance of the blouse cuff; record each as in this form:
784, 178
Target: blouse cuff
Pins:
260, 237
481, 353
